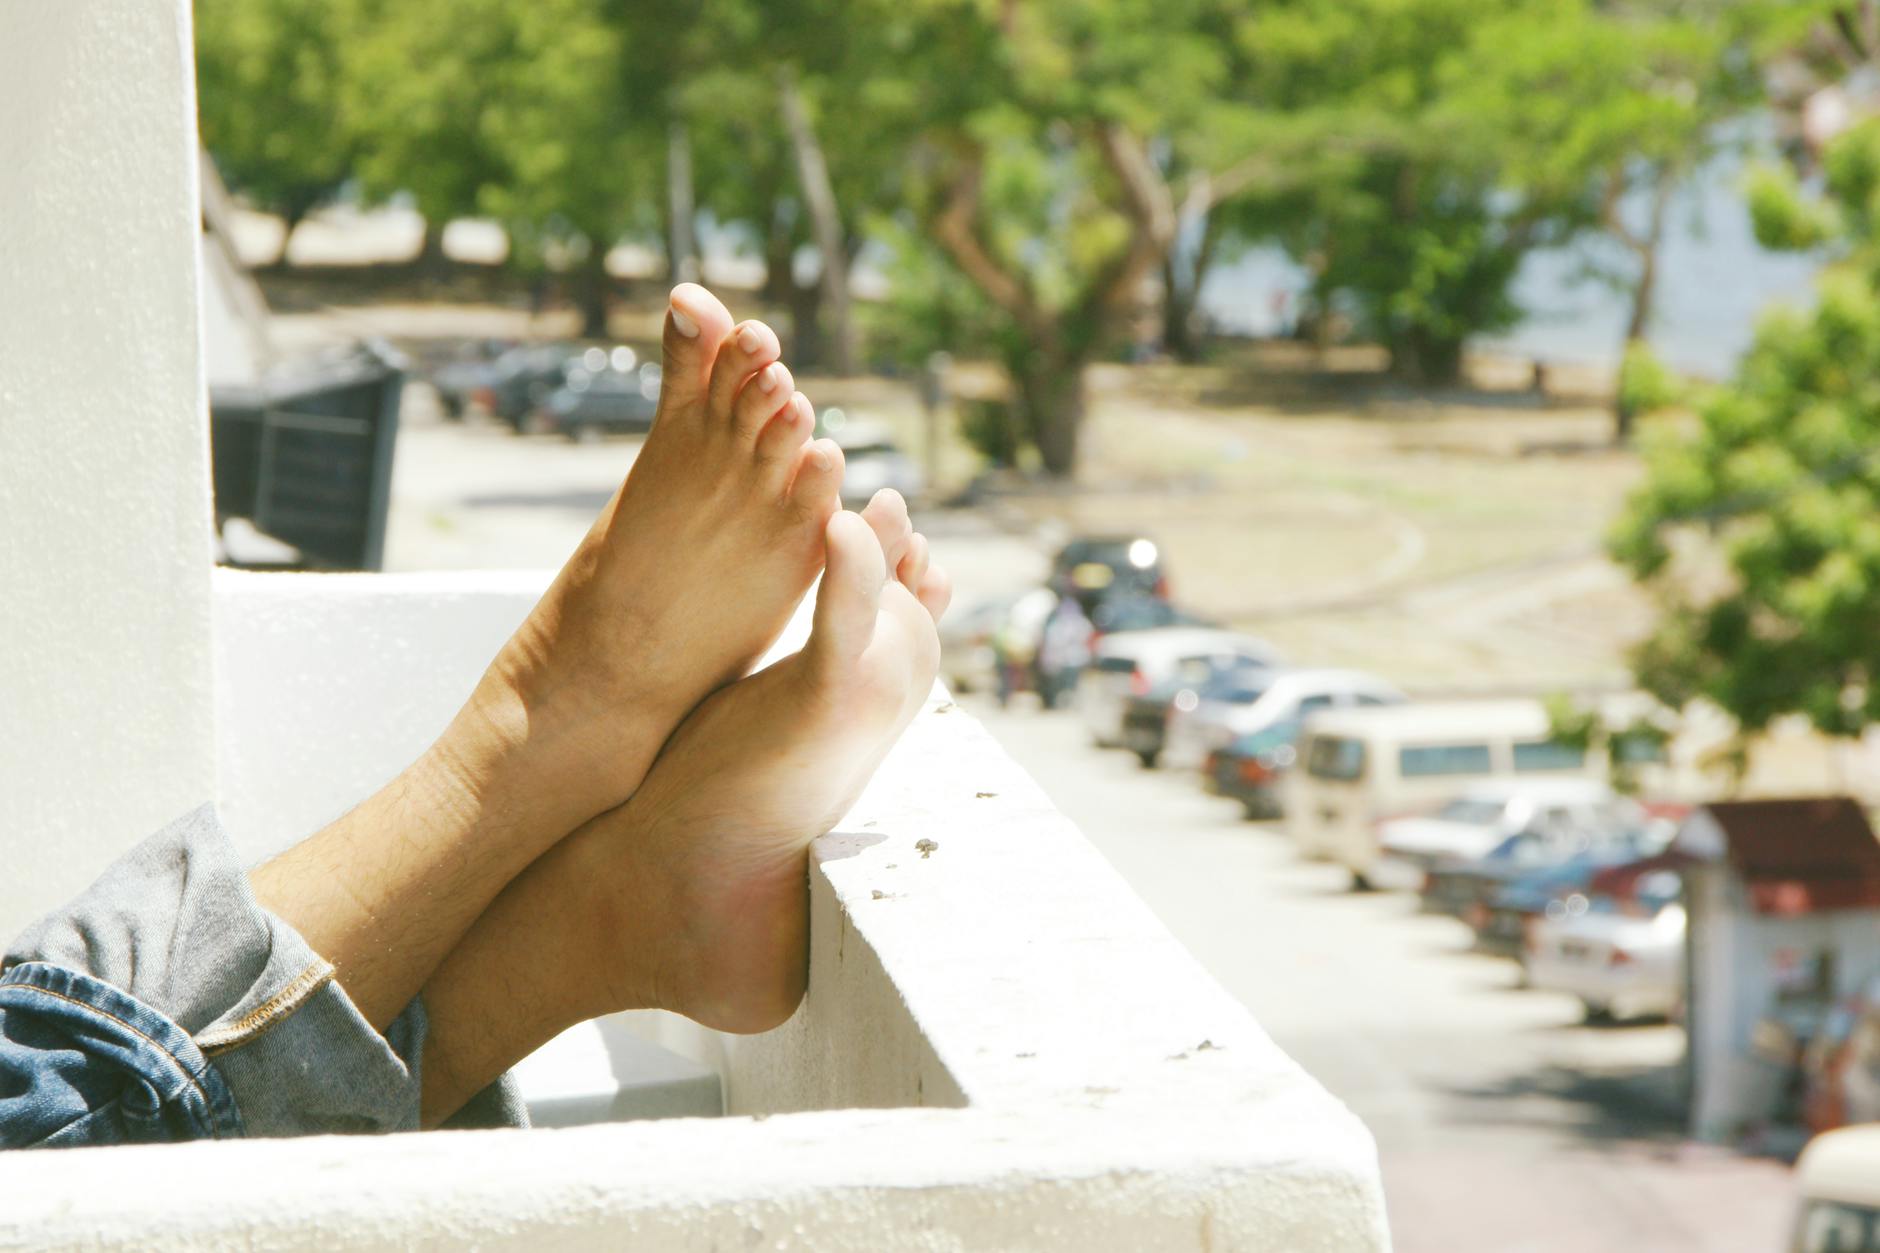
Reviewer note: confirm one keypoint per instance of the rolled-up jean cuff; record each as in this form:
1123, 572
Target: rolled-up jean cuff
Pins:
174, 926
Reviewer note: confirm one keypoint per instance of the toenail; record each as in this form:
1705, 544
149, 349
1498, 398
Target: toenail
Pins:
822, 456
683, 324
803, 407
768, 378
749, 339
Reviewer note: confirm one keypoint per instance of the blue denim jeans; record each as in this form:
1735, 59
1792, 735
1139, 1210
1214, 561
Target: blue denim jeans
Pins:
165, 1004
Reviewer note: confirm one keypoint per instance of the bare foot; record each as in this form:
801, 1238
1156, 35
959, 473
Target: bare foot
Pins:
687, 576
705, 866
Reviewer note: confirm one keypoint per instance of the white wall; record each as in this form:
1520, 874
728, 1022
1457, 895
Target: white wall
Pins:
105, 729
328, 684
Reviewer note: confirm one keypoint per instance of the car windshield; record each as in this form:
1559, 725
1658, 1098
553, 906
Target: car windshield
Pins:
1474, 812
1236, 688
1335, 758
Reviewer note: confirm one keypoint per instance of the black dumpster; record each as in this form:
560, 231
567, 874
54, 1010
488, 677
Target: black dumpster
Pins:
307, 457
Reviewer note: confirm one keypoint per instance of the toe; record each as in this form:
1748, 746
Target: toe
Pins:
747, 349
781, 438
935, 591
913, 565
850, 594
819, 477
696, 324
764, 396
886, 515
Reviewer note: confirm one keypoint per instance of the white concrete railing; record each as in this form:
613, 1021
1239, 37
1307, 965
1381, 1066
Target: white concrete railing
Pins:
1001, 1047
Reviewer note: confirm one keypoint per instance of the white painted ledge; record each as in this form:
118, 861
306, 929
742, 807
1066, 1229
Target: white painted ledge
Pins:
1001, 1048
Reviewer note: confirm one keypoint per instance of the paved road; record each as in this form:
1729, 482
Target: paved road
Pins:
1503, 1123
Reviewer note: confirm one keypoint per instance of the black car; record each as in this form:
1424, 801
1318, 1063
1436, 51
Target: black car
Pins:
1145, 717
509, 385
458, 382
1101, 568
1251, 768
593, 402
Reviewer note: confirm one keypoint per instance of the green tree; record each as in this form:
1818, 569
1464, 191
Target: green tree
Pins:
1759, 533
270, 85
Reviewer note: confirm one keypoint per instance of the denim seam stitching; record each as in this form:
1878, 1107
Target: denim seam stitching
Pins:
270, 1013
194, 1082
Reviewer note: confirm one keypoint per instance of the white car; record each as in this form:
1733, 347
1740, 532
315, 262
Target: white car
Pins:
1622, 958
1483, 815
1132, 663
1204, 722
1838, 1178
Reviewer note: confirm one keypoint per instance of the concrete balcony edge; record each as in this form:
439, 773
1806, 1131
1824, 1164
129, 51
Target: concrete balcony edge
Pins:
970, 950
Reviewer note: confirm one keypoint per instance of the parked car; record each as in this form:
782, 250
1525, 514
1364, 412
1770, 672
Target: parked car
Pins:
1837, 1179
968, 660
1103, 567
1484, 814
872, 460
1603, 870
457, 382
1132, 663
1364, 765
1215, 719
1623, 957
1250, 769
605, 400
1463, 886
1148, 716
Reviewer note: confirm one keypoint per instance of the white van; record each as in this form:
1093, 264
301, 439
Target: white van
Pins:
1359, 767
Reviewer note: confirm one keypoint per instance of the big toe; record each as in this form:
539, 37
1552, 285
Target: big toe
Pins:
696, 324
850, 594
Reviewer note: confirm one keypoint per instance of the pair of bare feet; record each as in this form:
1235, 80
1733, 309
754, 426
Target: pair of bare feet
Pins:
689, 788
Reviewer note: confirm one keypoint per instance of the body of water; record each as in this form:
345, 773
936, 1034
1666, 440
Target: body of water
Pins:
1714, 282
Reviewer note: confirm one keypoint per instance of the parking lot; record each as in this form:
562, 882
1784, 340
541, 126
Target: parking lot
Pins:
1504, 1122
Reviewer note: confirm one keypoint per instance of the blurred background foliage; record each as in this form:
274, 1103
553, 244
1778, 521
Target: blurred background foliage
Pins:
1048, 183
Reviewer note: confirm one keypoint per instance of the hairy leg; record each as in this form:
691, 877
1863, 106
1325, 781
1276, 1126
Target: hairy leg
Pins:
692, 896
685, 579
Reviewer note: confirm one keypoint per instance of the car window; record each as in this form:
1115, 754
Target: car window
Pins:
1365, 698
1279, 735
1476, 813
1422, 761
1338, 759
1309, 703
1538, 755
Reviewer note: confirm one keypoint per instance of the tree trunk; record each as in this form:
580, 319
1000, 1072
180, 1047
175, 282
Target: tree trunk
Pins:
681, 242
819, 198
1622, 414
1427, 359
1643, 293
1050, 396
431, 261
291, 217
779, 255
1182, 293
590, 284
808, 349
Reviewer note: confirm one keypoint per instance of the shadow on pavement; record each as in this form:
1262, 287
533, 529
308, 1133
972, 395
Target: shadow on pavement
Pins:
1640, 1103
